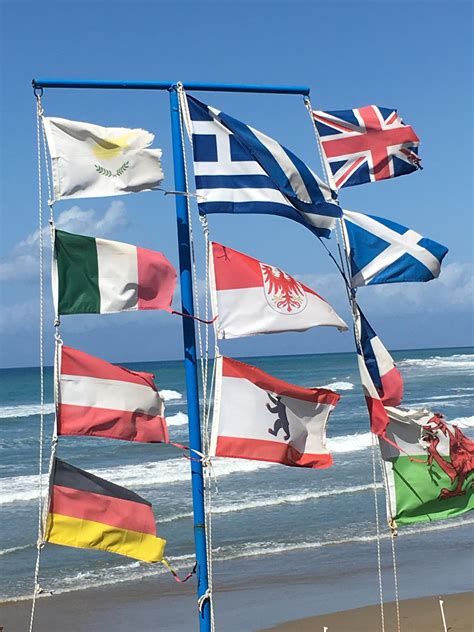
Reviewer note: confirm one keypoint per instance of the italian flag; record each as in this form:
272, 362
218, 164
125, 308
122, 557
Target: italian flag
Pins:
429, 476
99, 276
99, 399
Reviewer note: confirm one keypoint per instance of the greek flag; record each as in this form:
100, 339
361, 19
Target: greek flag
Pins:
382, 251
240, 170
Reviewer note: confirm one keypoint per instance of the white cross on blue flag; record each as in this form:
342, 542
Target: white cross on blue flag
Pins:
382, 251
240, 170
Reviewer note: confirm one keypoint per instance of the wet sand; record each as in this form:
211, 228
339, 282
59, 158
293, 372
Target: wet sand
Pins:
416, 615
133, 608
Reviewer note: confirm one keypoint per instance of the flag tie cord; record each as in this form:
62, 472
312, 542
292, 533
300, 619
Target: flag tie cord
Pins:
196, 318
203, 348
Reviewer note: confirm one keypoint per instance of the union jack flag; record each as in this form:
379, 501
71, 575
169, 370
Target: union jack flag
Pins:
366, 144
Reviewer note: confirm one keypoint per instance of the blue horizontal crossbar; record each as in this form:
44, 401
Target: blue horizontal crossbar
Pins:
167, 85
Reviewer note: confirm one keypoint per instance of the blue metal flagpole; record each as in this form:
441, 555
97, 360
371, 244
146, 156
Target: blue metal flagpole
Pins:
190, 360
184, 247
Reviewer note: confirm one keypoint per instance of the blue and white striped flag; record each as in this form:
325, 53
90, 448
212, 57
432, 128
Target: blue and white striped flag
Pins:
240, 170
382, 251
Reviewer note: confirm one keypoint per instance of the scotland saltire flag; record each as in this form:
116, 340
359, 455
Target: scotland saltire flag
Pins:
240, 170
381, 380
382, 251
366, 144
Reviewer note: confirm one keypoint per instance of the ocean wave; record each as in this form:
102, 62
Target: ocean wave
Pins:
152, 474
169, 395
339, 386
13, 549
457, 361
135, 571
463, 422
180, 419
289, 499
24, 410
349, 443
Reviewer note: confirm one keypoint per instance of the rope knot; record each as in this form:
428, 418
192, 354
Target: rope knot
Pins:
203, 598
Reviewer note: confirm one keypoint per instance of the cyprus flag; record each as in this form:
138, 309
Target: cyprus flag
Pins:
93, 161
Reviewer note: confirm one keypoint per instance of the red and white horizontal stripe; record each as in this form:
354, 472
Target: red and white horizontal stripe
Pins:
242, 307
242, 417
99, 399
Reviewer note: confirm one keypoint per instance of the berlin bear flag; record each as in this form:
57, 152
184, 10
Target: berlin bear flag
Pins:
94, 161
99, 276
99, 399
250, 297
259, 417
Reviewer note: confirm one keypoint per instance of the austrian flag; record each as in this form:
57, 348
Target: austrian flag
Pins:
250, 297
259, 417
99, 399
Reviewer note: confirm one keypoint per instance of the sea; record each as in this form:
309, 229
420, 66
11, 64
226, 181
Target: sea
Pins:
261, 511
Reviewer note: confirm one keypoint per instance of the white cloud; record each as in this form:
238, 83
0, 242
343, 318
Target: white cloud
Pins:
22, 262
453, 291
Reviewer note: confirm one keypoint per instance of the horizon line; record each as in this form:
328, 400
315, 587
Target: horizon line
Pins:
279, 355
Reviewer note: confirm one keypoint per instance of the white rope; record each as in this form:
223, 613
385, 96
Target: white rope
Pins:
309, 107
344, 259
393, 535
203, 359
40, 539
377, 530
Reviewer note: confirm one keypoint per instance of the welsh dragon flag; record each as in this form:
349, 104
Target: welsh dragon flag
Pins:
99, 276
431, 477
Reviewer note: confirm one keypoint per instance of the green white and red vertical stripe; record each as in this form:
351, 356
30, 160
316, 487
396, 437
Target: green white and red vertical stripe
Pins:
98, 276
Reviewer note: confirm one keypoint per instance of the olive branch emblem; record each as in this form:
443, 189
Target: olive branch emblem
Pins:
110, 174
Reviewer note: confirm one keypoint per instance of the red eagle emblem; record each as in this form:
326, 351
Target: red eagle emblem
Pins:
282, 291
460, 464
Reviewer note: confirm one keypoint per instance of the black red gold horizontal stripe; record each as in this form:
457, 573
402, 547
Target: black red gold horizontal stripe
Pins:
109, 510
66, 475
87, 534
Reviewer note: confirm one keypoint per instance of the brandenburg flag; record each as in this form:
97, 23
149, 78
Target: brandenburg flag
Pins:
94, 161
259, 417
250, 297
99, 276
99, 399
88, 512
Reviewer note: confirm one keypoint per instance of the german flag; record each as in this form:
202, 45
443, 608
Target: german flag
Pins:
89, 512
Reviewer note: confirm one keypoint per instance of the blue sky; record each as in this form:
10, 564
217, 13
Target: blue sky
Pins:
414, 56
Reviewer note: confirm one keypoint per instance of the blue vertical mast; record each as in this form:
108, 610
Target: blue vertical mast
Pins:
190, 358
184, 247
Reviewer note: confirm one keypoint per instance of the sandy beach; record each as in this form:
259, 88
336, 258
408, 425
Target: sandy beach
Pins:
416, 615
138, 609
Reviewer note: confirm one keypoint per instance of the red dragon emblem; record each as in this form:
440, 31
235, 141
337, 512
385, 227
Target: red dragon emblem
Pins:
461, 454
283, 293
